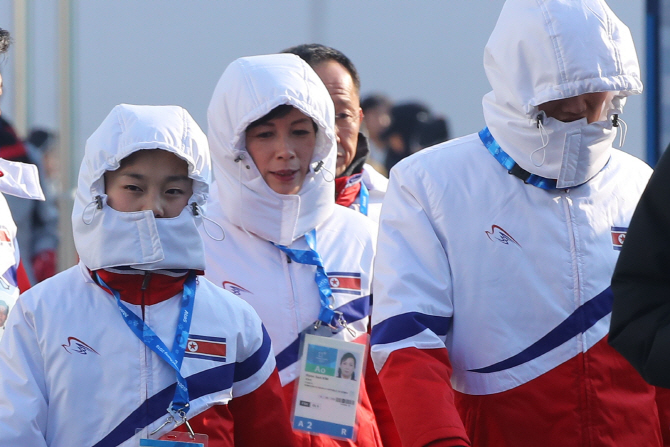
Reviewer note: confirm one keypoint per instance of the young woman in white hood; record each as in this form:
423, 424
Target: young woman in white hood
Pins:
80, 362
271, 129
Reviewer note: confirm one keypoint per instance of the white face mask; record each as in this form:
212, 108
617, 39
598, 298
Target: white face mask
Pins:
572, 152
110, 238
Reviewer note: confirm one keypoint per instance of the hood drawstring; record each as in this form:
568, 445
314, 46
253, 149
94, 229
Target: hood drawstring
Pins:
622, 129
319, 166
97, 201
238, 160
198, 211
545, 141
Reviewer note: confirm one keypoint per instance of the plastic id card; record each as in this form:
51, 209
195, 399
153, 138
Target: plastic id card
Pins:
176, 439
329, 386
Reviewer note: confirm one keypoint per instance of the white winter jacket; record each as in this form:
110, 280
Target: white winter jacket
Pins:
284, 293
513, 279
73, 373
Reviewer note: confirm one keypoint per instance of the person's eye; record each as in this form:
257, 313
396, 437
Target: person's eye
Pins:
175, 191
133, 188
302, 132
343, 116
264, 134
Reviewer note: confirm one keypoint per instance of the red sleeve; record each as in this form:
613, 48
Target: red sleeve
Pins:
418, 389
663, 404
380, 406
22, 278
260, 417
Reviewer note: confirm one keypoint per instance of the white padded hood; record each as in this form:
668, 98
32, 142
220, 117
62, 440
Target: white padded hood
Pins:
249, 89
545, 50
108, 238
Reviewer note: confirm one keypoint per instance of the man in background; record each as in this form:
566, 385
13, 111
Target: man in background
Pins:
357, 184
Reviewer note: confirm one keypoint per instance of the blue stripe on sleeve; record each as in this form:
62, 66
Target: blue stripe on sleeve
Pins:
580, 321
353, 311
255, 362
403, 326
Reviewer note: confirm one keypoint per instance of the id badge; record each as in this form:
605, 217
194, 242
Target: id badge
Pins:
329, 386
176, 439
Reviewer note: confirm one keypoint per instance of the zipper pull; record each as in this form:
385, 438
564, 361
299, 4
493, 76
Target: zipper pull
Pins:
145, 283
288, 259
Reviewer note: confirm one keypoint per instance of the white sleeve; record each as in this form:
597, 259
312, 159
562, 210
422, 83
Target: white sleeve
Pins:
23, 395
255, 360
412, 282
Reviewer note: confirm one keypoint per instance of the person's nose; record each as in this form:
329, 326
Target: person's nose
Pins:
155, 203
285, 149
576, 107
337, 133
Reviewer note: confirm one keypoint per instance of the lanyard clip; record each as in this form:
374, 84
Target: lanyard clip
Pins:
343, 323
179, 416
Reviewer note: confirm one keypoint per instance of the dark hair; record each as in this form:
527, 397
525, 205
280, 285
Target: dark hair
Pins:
315, 53
277, 112
5, 40
374, 101
41, 139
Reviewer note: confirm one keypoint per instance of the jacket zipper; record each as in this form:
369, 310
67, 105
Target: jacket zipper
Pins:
145, 284
578, 301
292, 289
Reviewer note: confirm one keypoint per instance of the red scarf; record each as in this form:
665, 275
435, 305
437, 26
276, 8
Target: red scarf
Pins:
346, 191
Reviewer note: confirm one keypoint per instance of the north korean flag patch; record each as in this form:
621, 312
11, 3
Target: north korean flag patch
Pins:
206, 348
618, 236
343, 282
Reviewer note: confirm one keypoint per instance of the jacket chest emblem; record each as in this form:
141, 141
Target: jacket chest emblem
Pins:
235, 289
618, 237
76, 346
499, 234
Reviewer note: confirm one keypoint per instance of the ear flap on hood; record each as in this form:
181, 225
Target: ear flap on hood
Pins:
249, 89
108, 238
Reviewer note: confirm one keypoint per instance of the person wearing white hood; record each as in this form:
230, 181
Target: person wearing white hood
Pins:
133, 343
18, 180
496, 250
271, 130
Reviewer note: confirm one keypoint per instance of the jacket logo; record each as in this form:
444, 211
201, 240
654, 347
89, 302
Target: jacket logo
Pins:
79, 347
206, 348
344, 282
618, 236
234, 288
498, 234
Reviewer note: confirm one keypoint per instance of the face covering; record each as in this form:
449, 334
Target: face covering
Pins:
110, 238
574, 152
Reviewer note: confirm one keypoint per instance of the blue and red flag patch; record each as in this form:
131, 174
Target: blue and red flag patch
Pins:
343, 282
618, 237
206, 348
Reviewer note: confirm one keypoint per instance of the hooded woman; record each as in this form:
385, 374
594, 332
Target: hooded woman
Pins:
133, 343
273, 149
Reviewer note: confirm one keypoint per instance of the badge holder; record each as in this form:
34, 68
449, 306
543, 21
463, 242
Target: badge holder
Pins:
175, 438
327, 394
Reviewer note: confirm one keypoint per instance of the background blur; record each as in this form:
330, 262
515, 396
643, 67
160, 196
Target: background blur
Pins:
72, 61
